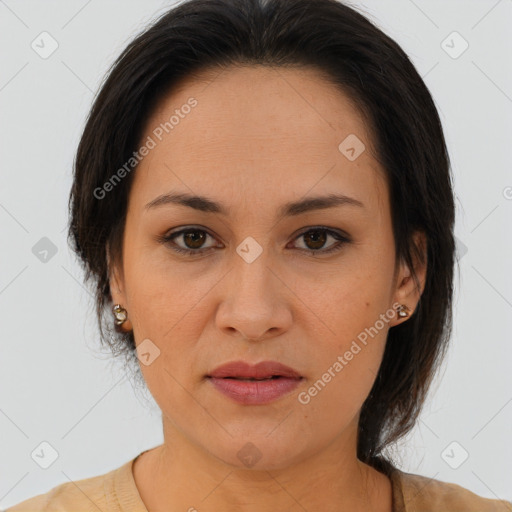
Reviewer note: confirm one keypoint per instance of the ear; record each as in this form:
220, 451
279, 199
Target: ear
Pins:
117, 289
406, 291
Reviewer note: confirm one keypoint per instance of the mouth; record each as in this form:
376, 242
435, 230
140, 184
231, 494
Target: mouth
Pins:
258, 380
258, 384
263, 371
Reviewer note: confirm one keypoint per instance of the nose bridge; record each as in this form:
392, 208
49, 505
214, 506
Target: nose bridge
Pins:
251, 272
250, 301
253, 302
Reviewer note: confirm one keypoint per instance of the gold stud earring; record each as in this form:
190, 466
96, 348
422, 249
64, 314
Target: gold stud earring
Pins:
120, 314
402, 311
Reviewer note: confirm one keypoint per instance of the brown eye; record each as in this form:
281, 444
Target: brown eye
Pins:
316, 238
192, 239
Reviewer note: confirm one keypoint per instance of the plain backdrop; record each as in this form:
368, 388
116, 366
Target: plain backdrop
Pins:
57, 387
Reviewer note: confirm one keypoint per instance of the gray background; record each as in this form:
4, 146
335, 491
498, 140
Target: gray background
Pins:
57, 386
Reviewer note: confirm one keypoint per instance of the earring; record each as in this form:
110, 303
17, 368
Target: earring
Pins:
402, 311
120, 313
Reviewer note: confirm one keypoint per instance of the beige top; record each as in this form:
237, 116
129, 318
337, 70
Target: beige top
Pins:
116, 492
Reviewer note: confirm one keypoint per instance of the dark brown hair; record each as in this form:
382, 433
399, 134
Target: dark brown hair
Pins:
407, 137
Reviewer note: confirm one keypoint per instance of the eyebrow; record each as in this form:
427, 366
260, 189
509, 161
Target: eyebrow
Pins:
290, 209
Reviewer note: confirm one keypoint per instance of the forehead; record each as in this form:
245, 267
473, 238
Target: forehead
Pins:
250, 131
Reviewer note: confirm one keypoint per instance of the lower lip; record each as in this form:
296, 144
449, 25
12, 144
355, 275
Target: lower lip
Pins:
255, 392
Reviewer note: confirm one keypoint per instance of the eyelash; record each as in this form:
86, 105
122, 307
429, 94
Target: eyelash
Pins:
169, 240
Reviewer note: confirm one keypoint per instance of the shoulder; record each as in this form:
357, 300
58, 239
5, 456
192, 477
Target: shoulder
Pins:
423, 494
85, 495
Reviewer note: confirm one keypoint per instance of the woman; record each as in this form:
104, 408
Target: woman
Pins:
288, 334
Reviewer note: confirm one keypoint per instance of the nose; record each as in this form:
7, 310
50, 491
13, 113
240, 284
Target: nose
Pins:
256, 303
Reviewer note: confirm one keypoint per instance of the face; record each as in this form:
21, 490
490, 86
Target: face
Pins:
310, 288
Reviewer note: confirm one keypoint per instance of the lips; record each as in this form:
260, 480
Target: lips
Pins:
257, 384
266, 370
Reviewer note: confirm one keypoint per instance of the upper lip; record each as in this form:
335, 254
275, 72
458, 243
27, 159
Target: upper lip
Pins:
263, 370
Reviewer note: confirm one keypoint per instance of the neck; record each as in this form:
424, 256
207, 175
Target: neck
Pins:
179, 475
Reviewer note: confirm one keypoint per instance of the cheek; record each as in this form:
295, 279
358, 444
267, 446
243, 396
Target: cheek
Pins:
347, 355
346, 301
160, 295
343, 378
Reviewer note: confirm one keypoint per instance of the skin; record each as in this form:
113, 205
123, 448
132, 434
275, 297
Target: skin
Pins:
253, 130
